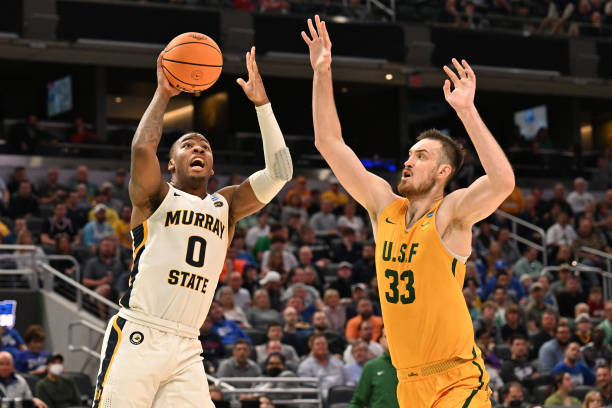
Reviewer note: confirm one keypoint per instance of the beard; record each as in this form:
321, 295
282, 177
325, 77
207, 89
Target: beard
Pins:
411, 191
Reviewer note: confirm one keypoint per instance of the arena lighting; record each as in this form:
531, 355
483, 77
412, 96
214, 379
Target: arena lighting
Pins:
173, 114
118, 99
479, 69
389, 77
344, 59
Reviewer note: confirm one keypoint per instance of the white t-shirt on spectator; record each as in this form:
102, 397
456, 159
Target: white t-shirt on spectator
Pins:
578, 201
356, 224
374, 348
289, 260
561, 235
254, 234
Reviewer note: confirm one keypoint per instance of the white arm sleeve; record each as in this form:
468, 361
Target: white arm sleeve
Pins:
268, 182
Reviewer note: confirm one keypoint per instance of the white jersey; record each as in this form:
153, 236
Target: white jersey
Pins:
179, 252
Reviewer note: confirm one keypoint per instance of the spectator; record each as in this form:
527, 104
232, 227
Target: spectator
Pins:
311, 279
49, 190
260, 230
595, 302
327, 368
271, 283
229, 331
97, 229
82, 177
513, 395
603, 382
333, 194
558, 199
593, 399
120, 186
365, 312
242, 297
324, 221
485, 343
24, 203
450, 15
294, 332
34, 359
563, 385
570, 297
377, 387
343, 283
264, 243
560, 285
582, 335
510, 252
581, 374
514, 203
552, 352
335, 341
104, 196
230, 310
309, 294
294, 206
80, 134
561, 233
587, 237
505, 280
348, 250
76, 212
359, 355
105, 270
123, 228
212, 346
334, 310
275, 333
5, 196
239, 365
519, 368
261, 315
216, 394
487, 321
536, 306
11, 341
579, 198
548, 329
513, 324
58, 224
63, 247
531, 215
364, 269
56, 390
265, 402
279, 244
27, 137
374, 349
305, 258
606, 325
352, 221
597, 353
276, 347
12, 385
563, 256
528, 264
275, 366
300, 189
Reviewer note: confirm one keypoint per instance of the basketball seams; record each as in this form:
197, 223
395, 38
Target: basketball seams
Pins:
187, 83
195, 42
192, 63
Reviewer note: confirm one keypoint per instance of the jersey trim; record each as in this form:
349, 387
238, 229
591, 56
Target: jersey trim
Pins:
114, 339
469, 399
140, 235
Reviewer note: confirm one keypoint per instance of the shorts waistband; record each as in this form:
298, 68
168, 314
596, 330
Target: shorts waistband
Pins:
418, 372
160, 324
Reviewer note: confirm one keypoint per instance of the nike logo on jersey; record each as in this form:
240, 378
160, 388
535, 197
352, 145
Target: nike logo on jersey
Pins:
390, 222
177, 195
201, 220
413, 375
424, 225
380, 373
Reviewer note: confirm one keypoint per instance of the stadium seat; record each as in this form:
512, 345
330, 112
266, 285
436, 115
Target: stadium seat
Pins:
83, 384
580, 391
31, 379
257, 336
540, 393
35, 226
340, 394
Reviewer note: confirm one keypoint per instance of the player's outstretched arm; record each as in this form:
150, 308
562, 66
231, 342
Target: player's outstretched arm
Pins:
146, 183
369, 190
261, 187
484, 195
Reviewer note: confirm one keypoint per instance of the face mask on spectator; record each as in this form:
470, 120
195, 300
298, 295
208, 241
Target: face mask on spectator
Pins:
515, 403
56, 369
274, 371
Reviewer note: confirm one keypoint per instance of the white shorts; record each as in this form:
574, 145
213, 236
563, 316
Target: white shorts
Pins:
145, 367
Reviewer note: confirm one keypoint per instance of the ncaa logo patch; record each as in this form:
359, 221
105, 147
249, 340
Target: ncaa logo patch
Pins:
430, 214
136, 338
218, 203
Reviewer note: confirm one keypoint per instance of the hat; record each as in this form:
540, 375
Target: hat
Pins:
583, 317
55, 356
524, 277
100, 207
301, 179
271, 276
500, 264
536, 286
361, 286
565, 267
105, 185
345, 264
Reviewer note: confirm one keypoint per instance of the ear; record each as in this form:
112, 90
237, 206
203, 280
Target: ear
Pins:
212, 172
171, 165
445, 170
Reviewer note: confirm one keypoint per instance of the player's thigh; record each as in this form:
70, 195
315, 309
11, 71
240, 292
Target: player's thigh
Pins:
187, 389
131, 368
464, 386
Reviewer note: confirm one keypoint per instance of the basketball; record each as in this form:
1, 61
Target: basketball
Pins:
192, 62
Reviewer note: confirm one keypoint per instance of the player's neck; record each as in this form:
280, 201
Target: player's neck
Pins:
198, 189
418, 206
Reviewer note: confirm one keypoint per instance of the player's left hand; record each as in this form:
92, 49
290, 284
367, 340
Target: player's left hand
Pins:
464, 83
253, 88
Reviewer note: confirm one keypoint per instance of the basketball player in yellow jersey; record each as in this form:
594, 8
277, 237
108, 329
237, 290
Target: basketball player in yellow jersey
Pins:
423, 238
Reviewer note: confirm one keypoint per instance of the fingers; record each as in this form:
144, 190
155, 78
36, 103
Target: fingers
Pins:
249, 64
325, 34
313, 32
452, 76
468, 70
447, 89
307, 40
254, 62
318, 24
241, 82
459, 68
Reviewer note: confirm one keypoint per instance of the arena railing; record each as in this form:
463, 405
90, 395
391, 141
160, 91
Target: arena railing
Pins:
606, 276
516, 220
235, 392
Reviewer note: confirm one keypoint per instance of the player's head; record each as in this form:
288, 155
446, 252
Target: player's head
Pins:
191, 160
432, 162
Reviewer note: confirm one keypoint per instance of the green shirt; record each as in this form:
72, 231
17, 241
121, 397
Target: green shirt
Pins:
557, 400
377, 386
59, 394
523, 266
607, 328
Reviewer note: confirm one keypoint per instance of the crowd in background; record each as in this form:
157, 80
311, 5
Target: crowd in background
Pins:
298, 295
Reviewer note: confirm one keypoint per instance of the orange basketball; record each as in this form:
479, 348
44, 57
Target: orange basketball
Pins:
192, 62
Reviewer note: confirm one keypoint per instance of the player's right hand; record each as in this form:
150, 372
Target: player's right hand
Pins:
319, 45
163, 85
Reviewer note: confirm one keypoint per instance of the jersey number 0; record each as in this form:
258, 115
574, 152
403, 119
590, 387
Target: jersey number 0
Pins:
196, 251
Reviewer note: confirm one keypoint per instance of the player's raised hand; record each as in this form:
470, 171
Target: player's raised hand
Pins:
162, 82
253, 88
464, 84
319, 45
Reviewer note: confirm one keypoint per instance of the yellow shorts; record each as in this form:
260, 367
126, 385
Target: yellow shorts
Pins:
454, 383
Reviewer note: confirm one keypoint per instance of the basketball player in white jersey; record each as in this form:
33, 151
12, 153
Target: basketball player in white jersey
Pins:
151, 353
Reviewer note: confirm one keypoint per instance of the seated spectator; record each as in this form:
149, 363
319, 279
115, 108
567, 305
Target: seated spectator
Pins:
504, 279
324, 221
103, 197
264, 243
374, 349
216, 393
334, 310
593, 399
33, 360
55, 389
120, 186
581, 374
343, 283
262, 229
519, 368
360, 291
596, 352
503, 301
96, 230
274, 366
250, 278
560, 285
278, 244
587, 237
509, 249
603, 382
548, 328
261, 315
58, 224
485, 343
579, 198
606, 325
49, 190
595, 302
583, 332
271, 283
290, 357
63, 247
322, 365
297, 286
365, 312
352, 221
311, 279
122, 227
348, 250
295, 332
12, 385
536, 306
229, 331
513, 324
231, 311
265, 402
333, 194
24, 203
513, 396
76, 212
528, 264
552, 352
560, 233
487, 321
335, 341
570, 297
304, 312
563, 387
242, 297
82, 177
358, 357
239, 365
212, 346
364, 269
80, 134
294, 206
11, 341
274, 332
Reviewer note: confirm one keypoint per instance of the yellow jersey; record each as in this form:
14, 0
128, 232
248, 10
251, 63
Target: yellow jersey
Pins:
420, 285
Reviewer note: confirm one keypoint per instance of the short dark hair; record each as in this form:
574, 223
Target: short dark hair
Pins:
517, 336
34, 333
242, 341
273, 324
453, 150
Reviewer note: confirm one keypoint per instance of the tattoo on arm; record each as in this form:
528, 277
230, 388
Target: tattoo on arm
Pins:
149, 130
